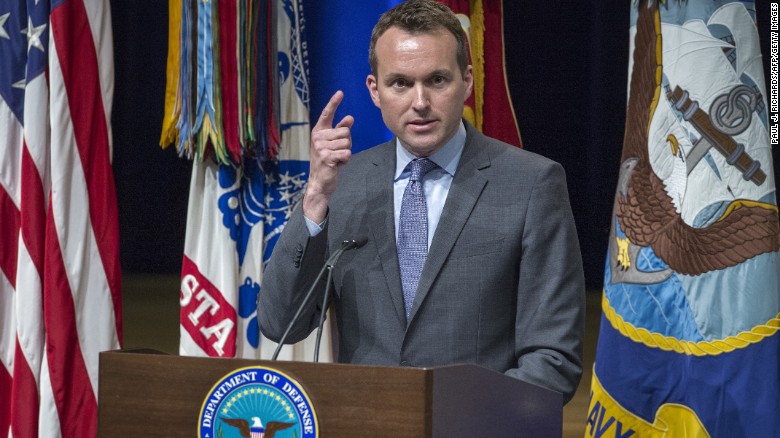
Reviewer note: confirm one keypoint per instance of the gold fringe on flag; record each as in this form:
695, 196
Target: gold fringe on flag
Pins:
478, 59
172, 95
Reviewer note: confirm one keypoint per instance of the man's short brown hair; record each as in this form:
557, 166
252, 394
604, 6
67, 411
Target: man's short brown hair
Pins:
420, 16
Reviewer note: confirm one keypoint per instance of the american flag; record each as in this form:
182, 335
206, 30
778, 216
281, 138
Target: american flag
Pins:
58, 215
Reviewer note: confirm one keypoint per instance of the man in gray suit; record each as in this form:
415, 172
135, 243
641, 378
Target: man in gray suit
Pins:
496, 280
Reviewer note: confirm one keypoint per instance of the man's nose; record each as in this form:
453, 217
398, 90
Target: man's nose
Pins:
421, 100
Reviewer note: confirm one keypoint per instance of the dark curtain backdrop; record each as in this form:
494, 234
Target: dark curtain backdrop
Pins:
567, 71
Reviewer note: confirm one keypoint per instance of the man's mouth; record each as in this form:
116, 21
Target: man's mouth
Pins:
421, 125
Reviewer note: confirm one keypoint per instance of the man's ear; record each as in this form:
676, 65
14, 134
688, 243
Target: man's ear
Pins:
371, 84
468, 77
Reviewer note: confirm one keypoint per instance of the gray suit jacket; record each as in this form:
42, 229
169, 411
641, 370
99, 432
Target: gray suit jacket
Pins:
502, 286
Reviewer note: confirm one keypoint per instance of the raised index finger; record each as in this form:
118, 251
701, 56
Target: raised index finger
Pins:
326, 117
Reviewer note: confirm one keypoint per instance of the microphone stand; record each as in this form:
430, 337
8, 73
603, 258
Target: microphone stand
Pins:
345, 246
325, 299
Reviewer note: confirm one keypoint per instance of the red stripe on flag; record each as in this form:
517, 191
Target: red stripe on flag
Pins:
79, 64
228, 72
24, 404
5, 400
32, 213
73, 392
25, 396
9, 236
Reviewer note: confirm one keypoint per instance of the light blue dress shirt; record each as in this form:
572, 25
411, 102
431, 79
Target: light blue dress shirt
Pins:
436, 183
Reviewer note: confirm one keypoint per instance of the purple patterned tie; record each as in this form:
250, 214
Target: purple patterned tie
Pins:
413, 230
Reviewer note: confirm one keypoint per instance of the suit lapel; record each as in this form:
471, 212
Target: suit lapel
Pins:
464, 192
381, 222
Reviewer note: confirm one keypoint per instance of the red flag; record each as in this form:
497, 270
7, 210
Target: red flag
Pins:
498, 117
483, 23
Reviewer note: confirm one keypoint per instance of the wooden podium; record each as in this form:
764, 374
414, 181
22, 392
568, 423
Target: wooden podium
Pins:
147, 393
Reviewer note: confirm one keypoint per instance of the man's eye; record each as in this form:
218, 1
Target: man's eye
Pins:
400, 83
438, 81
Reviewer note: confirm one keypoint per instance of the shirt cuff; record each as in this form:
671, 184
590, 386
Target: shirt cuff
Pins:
314, 228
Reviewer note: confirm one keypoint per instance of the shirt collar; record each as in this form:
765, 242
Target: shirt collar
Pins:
447, 157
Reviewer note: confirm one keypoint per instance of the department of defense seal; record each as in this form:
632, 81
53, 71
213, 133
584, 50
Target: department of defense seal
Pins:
257, 402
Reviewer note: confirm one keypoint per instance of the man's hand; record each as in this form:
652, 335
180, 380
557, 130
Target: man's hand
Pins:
330, 149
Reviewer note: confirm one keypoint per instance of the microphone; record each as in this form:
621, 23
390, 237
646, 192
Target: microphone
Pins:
354, 244
346, 245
